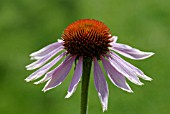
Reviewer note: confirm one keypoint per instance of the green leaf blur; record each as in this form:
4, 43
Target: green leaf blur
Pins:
28, 25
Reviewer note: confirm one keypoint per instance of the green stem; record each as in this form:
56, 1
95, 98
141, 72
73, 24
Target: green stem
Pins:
85, 84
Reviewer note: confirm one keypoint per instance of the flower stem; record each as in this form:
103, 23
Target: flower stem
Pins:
85, 83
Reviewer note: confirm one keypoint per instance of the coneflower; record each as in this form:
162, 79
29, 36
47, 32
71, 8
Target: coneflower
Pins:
88, 41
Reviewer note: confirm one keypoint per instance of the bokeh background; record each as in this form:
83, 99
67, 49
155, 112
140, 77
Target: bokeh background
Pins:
28, 25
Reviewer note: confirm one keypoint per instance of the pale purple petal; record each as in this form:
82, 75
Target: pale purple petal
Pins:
130, 52
59, 74
114, 39
49, 74
40, 72
116, 77
138, 72
47, 49
131, 67
120, 66
76, 77
41, 56
101, 84
45, 78
42, 61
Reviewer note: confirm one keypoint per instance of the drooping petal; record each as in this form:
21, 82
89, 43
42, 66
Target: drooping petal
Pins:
42, 61
136, 71
45, 78
40, 72
101, 84
130, 52
116, 77
46, 50
76, 77
59, 74
49, 74
119, 65
38, 57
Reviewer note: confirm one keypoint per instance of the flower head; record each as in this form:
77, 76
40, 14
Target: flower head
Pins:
88, 38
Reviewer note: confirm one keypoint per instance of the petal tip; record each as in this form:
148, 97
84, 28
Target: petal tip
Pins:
104, 102
36, 83
68, 95
148, 78
29, 68
130, 91
141, 84
150, 54
104, 109
33, 58
60, 41
27, 80
127, 90
45, 89
32, 54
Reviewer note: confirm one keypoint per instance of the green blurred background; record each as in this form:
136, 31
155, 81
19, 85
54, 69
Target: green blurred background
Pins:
28, 25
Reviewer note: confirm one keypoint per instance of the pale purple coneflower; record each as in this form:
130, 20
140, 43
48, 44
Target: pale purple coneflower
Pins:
88, 38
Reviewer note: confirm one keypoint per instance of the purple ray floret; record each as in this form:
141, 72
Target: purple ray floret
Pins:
101, 84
